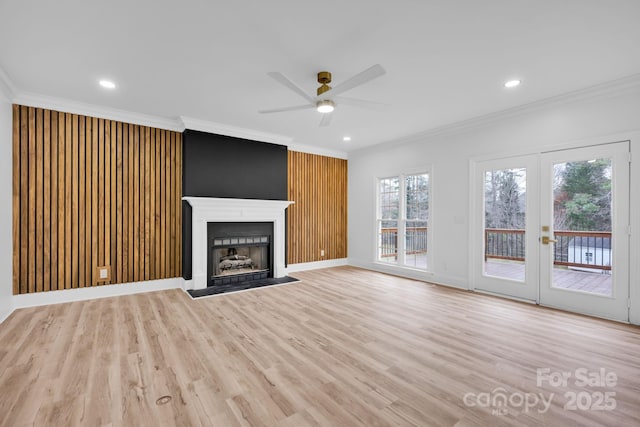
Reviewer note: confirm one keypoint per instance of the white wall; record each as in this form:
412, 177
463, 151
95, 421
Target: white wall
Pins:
596, 115
6, 239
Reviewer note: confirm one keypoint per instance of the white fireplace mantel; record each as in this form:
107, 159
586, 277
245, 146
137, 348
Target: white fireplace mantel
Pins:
211, 209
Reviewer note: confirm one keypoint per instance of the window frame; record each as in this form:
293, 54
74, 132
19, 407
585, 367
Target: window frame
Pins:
402, 220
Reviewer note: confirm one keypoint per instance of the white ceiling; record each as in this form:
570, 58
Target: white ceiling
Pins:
446, 60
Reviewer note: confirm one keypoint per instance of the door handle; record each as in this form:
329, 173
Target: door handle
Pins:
546, 240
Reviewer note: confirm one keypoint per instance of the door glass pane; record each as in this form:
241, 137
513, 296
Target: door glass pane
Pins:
582, 226
417, 216
388, 216
504, 227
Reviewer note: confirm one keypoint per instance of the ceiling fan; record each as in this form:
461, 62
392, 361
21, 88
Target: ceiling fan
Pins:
327, 97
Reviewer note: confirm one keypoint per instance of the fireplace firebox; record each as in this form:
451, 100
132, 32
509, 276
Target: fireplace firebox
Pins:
239, 252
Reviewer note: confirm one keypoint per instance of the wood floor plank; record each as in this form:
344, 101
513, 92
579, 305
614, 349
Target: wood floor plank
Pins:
344, 347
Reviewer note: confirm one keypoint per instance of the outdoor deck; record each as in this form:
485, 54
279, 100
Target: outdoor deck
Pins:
598, 283
575, 252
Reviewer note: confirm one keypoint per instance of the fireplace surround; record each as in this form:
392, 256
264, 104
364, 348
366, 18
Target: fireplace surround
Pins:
207, 210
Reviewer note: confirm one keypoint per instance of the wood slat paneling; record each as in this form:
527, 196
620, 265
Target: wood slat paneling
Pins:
39, 213
17, 173
75, 224
24, 198
132, 219
91, 192
94, 199
125, 200
152, 203
88, 183
136, 203
82, 226
98, 176
147, 202
67, 202
32, 208
318, 219
119, 196
163, 217
61, 204
54, 201
156, 204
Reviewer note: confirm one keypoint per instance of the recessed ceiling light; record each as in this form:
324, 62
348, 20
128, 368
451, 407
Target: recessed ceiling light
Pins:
107, 84
512, 83
346, 138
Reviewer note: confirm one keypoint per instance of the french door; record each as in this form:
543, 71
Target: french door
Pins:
507, 263
584, 241
554, 229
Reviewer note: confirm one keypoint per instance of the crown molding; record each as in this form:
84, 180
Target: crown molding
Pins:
318, 150
7, 88
92, 110
255, 135
600, 91
237, 132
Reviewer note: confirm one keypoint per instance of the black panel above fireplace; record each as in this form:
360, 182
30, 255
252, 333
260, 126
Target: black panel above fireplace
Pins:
224, 166
238, 252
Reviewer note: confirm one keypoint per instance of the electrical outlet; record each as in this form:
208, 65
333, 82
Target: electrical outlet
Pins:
321, 252
104, 273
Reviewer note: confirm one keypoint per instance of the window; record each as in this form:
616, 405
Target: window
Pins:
403, 215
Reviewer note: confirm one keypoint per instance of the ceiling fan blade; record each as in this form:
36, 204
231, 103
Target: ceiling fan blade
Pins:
357, 80
285, 81
362, 103
294, 108
326, 119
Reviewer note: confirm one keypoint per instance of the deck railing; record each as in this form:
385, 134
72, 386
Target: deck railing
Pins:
583, 249
416, 241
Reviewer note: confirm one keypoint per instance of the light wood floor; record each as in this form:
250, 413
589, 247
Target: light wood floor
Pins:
344, 347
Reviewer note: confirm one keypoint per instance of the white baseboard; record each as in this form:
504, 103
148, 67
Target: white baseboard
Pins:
81, 294
5, 314
426, 276
303, 266
390, 269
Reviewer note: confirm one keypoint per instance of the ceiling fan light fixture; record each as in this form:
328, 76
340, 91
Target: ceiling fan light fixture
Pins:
325, 106
512, 83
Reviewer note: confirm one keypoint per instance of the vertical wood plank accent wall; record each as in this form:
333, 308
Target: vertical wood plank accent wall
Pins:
91, 192
318, 219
